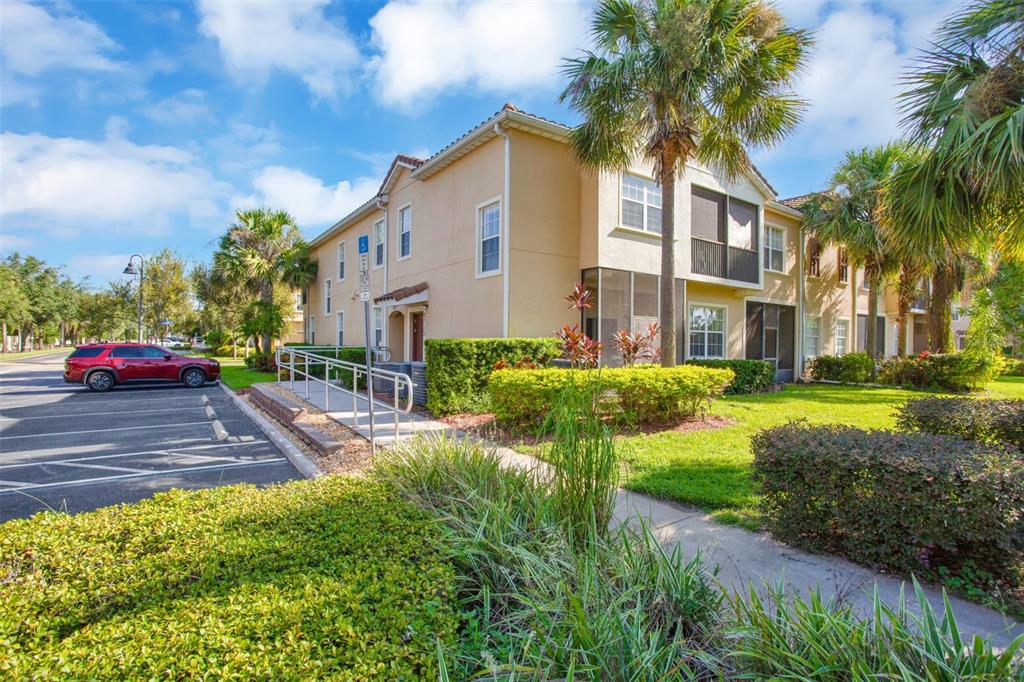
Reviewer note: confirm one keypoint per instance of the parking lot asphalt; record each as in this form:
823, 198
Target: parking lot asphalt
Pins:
66, 448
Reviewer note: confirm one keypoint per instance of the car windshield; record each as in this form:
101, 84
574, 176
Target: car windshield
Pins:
164, 350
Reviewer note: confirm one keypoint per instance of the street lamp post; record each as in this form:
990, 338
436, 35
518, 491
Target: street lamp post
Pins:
130, 270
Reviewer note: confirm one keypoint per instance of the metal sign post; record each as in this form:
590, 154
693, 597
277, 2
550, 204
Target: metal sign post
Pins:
364, 296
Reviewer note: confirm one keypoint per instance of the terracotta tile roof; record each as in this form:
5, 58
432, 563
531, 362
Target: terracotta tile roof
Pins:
797, 201
404, 292
403, 159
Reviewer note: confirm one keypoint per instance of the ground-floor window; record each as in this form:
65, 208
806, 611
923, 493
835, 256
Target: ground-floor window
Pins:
707, 331
378, 327
311, 330
812, 335
341, 329
842, 334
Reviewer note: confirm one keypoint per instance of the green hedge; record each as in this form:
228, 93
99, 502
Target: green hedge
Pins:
353, 354
956, 372
1000, 421
1013, 367
458, 369
327, 579
636, 395
905, 501
752, 376
852, 368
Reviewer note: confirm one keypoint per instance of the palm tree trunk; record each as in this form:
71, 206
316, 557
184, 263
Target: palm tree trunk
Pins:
668, 259
871, 333
7, 345
267, 297
940, 336
906, 292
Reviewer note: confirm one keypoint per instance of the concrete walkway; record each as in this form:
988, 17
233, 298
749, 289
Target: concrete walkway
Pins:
743, 557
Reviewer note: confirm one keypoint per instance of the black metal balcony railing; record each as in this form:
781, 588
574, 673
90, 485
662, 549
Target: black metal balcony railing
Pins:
715, 259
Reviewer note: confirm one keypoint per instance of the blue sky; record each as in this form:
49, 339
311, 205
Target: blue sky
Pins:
130, 126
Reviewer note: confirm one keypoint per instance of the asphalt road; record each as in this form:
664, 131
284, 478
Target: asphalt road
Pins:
66, 448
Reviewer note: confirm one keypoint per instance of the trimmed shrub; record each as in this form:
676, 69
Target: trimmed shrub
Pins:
333, 578
632, 395
458, 369
262, 362
956, 372
752, 376
1000, 421
852, 368
353, 354
1013, 367
905, 501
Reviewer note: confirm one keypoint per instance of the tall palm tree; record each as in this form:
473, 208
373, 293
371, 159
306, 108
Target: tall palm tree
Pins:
675, 81
965, 103
908, 288
260, 251
850, 212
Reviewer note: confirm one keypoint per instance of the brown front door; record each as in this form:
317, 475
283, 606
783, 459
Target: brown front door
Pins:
417, 337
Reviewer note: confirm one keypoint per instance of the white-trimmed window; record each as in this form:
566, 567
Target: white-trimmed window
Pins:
378, 244
327, 297
488, 221
341, 328
311, 330
774, 249
378, 327
842, 336
812, 335
641, 204
707, 331
299, 301
405, 232
341, 261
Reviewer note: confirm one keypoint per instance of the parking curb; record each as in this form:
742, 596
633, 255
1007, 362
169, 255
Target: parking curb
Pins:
299, 460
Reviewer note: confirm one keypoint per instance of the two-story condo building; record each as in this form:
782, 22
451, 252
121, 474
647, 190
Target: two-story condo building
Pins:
484, 239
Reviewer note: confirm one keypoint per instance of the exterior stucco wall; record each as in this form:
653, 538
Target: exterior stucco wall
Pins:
700, 293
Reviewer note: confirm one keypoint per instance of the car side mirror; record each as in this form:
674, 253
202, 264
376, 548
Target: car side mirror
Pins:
167, 356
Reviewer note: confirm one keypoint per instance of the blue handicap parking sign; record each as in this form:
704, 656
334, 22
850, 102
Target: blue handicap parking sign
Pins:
364, 244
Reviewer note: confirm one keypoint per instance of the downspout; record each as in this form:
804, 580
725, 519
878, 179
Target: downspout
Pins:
801, 304
506, 242
383, 205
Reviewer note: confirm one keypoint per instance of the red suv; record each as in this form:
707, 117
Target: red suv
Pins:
101, 365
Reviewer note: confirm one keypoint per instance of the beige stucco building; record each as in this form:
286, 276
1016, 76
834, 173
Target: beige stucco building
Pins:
486, 237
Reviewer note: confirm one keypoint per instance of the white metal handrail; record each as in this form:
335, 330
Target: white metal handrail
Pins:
311, 357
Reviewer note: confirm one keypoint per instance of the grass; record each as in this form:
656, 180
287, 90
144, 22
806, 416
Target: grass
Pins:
710, 468
237, 376
33, 353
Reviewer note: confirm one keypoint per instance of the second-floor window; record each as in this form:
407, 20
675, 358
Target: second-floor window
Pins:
774, 249
641, 203
489, 234
327, 297
378, 244
843, 266
405, 232
341, 261
707, 331
341, 328
813, 258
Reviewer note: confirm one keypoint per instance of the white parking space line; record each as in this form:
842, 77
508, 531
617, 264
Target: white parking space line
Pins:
106, 467
184, 450
19, 484
65, 415
165, 472
122, 428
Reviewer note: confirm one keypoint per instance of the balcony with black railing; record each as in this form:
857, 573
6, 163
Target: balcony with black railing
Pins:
715, 259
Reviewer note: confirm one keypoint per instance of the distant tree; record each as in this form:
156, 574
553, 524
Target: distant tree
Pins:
260, 251
1007, 287
167, 293
14, 303
41, 284
677, 81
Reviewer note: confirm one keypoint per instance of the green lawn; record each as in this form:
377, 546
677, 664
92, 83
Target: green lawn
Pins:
236, 376
711, 469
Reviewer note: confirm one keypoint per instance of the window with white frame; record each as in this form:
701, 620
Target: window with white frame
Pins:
405, 232
378, 327
311, 330
341, 328
341, 261
812, 335
327, 297
641, 203
842, 336
774, 249
378, 244
299, 300
489, 235
707, 331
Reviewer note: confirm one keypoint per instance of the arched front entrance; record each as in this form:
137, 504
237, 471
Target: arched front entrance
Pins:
396, 336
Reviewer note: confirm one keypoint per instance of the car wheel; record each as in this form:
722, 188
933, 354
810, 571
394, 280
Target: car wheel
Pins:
194, 378
100, 381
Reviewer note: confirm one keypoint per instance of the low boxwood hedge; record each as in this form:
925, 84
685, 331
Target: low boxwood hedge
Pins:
905, 501
333, 578
458, 369
752, 376
635, 395
1000, 421
956, 372
853, 368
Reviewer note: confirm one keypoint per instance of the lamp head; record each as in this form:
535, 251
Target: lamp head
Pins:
130, 269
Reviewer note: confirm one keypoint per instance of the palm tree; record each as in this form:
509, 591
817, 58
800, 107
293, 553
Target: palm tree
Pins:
908, 288
965, 103
260, 251
850, 212
676, 81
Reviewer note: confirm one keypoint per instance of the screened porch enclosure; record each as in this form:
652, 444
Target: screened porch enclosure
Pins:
771, 336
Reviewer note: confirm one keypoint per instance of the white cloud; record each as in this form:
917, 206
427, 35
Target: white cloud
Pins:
256, 38
13, 242
100, 268
35, 41
307, 198
427, 47
67, 184
185, 107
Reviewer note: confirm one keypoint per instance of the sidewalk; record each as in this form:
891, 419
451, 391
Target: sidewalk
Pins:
742, 557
